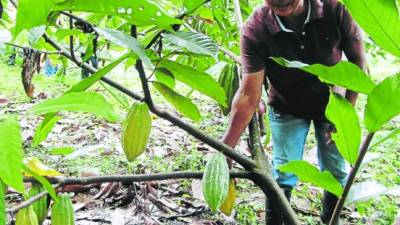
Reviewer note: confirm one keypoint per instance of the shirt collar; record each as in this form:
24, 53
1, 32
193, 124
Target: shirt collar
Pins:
275, 25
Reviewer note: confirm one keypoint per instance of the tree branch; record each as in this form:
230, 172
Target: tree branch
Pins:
351, 178
40, 51
231, 54
60, 181
133, 178
28, 202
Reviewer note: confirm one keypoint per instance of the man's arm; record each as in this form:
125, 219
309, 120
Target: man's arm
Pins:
353, 45
243, 107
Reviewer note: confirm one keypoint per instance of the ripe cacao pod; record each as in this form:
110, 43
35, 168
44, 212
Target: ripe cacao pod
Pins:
216, 181
230, 200
26, 216
136, 131
62, 212
229, 81
40, 207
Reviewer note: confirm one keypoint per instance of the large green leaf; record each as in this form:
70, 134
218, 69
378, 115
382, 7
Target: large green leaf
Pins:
28, 18
126, 41
165, 76
194, 42
139, 12
383, 103
78, 102
192, 5
348, 131
44, 128
181, 103
364, 191
344, 74
83, 85
216, 181
380, 19
309, 173
11, 154
2, 203
199, 81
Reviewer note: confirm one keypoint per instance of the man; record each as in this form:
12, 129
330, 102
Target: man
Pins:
311, 31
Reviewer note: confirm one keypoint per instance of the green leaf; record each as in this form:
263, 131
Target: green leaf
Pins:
195, 42
88, 82
44, 128
60, 34
348, 131
181, 103
391, 135
380, 19
383, 103
121, 39
2, 203
364, 191
46, 184
140, 13
28, 18
165, 76
11, 154
192, 5
344, 74
216, 181
309, 173
199, 81
62, 151
78, 102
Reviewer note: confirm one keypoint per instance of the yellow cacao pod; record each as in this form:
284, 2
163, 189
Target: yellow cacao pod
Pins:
40, 207
136, 131
62, 212
26, 216
227, 206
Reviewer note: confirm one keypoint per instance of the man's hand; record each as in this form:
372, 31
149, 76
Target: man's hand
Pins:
328, 135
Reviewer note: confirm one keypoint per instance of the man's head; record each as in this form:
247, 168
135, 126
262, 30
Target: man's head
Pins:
286, 7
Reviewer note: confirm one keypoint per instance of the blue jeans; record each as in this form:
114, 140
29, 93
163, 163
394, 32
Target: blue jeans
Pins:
289, 135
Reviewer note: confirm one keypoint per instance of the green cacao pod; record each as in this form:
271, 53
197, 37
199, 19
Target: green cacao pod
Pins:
216, 181
229, 81
40, 207
62, 212
26, 216
136, 131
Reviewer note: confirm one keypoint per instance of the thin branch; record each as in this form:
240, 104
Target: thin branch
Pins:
71, 42
133, 178
231, 54
61, 181
80, 20
40, 51
30, 201
351, 178
27, 203
142, 75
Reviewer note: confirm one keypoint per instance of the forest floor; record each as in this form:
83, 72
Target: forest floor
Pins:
97, 151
